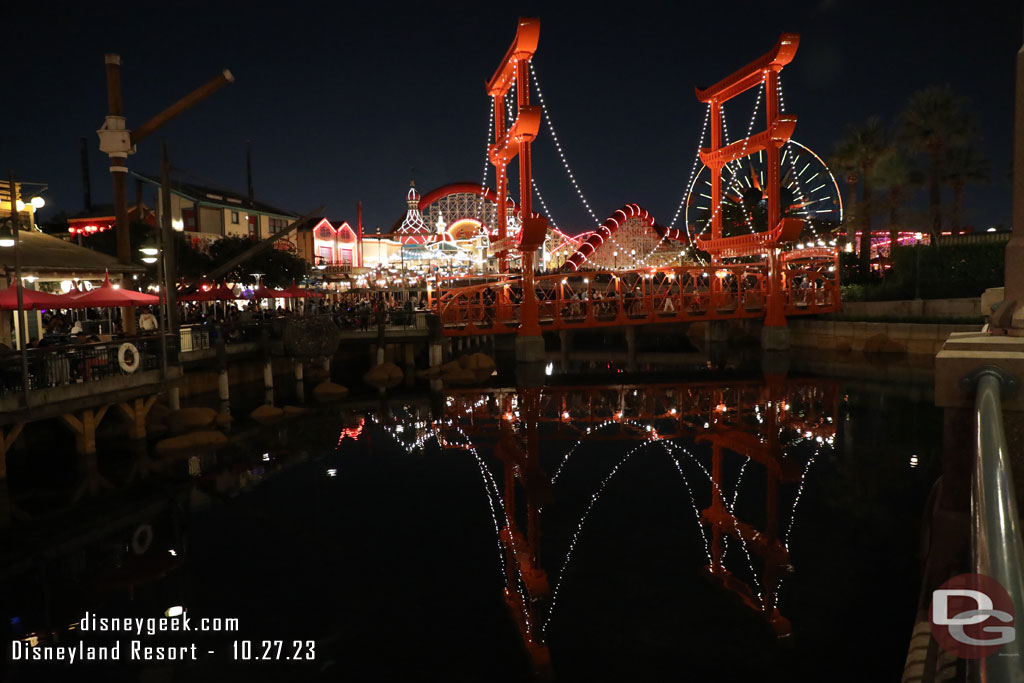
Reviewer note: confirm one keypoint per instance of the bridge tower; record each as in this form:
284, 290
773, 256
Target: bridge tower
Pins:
509, 142
778, 130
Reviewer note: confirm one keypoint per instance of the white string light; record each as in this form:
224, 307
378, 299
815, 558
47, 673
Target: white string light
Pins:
543, 205
487, 162
558, 146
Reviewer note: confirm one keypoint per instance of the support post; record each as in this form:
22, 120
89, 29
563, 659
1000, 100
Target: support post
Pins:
223, 388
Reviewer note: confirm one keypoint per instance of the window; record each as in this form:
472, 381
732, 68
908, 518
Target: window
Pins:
277, 224
325, 254
234, 218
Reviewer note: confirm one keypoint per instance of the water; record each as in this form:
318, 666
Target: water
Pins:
369, 528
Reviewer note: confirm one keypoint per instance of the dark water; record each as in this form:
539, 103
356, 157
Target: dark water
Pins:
369, 528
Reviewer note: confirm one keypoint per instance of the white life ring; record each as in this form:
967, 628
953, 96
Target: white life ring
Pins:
128, 366
142, 539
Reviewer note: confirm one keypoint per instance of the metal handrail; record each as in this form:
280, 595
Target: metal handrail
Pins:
996, 547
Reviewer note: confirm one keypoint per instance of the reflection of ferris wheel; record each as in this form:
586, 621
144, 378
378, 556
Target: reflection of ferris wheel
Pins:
808, 191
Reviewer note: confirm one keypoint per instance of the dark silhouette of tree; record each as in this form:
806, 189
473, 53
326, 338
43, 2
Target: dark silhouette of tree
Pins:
856, 155
932, 120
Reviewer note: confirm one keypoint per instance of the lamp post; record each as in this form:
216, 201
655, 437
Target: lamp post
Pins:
12, 240
152, 252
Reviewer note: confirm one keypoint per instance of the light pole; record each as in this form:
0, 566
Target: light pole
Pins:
12, 240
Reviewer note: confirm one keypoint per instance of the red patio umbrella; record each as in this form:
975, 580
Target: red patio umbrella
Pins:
266, 293
30, 298
297, 292
198, 295
107, 296
224, 293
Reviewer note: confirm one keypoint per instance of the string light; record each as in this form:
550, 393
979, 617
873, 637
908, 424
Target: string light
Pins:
543, 205
693, 168
558, 145
487, 163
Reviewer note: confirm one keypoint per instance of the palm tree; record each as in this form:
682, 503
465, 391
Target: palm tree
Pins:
895, 173
933, 119
962, 164
856, 155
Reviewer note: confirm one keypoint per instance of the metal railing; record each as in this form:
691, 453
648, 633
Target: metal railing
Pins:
996, 548
53, 366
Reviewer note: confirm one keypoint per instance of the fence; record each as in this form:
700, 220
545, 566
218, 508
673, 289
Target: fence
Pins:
53, 366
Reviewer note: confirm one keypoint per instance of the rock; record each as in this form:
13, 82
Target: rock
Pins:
208, 438
450, 366
266, 413
192, 418
385, 375
477, 361
329, 391
294, 411
460, 376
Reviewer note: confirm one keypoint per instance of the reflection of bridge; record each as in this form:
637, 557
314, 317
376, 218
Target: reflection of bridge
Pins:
749, 266
777, 426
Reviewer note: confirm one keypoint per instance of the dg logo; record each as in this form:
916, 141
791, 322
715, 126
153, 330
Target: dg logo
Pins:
972, 616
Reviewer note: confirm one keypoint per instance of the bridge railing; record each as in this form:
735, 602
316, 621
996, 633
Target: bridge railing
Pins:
996, 547
603, 298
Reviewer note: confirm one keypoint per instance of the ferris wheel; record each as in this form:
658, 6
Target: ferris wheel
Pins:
807, 187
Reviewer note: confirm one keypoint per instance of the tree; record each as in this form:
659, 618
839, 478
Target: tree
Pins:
933, 119
961, 165
895, 173
277, 268
856, 155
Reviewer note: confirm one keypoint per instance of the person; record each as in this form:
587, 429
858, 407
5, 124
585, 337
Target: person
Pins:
148, 321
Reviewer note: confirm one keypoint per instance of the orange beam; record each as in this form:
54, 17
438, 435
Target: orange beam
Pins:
524, 130
752, 74
781, 132
523, 47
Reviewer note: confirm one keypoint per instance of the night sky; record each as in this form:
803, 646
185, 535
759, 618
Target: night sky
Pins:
345, 102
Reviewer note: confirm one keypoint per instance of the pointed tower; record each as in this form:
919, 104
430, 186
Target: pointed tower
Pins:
414, 229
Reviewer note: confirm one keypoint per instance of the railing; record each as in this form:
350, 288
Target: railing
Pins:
53, 366
996, 546
673, 294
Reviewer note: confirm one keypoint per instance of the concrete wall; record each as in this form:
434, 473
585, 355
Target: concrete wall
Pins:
919, 308
914, 338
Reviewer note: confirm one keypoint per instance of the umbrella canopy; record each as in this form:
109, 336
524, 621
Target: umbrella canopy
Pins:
198, 295
297, 292
30, 298
262, 292
224, 293
108, 296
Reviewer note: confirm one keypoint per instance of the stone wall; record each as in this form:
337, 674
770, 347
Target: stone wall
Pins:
915, 338
915, 308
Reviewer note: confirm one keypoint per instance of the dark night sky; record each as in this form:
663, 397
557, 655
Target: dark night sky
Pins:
344, 102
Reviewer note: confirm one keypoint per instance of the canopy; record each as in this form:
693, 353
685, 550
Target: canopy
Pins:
198, 295
107, 296
224, 293
30, 298
262, 292
297, 292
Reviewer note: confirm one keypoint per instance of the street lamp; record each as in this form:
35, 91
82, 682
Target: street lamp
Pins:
149, 250
9, 238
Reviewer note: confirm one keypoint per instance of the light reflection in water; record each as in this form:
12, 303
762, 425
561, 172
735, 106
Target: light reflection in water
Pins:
777, 426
